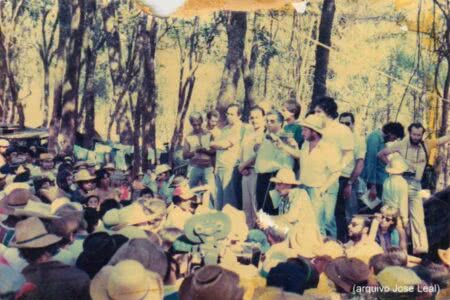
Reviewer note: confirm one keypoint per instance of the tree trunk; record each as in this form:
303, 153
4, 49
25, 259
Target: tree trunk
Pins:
69, 114
248, 71
444, 119
323, 54
236, 32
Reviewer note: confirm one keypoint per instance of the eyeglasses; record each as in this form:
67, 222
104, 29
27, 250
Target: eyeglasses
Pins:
389, 219
271, 121
353, 224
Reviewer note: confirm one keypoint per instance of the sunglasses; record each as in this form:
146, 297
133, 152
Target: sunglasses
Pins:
346, 123
389, 219
353, 224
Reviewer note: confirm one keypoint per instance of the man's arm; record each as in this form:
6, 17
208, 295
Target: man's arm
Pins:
347, 157
383, 154
333, 178
221, 145
443, 140
187, 154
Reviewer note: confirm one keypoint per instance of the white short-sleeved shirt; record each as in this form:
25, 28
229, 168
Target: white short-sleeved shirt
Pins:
229, 158
271, 159
318, 164
248, 144
339, 135
358, 153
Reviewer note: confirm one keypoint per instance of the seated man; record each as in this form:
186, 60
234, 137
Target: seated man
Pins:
293, 204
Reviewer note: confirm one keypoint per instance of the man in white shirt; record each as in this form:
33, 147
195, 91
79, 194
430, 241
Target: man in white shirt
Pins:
347, 200
269, 160
320, 166
341, 136
227, 148
250, 143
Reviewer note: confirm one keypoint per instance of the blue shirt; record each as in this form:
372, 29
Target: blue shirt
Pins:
374, 168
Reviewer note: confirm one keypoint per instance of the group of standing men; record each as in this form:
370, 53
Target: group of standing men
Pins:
241, 163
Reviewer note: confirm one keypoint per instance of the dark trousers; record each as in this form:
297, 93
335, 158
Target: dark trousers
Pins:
345, 208
263, 186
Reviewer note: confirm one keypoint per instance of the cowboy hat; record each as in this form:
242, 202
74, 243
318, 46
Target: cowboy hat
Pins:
16, 199
36, 209
83, 175
314, 122
179, 181
444, 255
31, 233
109, 167
184, 192
126, 281
397, 165
162, 169
394, 277
52, 193
286, 176
216, 226
347, 272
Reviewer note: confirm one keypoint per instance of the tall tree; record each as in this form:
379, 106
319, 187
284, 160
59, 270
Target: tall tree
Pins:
236, 28
322, 53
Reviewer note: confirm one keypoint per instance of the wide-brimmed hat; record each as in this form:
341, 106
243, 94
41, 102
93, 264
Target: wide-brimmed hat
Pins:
150, 255
184, 192
397, 164
16, 199
109, 167
286, 176
214, 226
179, 181
4, 143
83, 175
80, 164
31, 233
52, 193
395, 277
162, 169
126, 281
314, 122
347, 272
36, 209
46, 157
444, 255
211, 281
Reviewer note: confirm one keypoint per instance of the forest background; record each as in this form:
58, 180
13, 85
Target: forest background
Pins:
106, 69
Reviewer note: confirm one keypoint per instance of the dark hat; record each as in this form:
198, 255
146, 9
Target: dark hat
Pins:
292, 277
98, 248
347, 272
211, 282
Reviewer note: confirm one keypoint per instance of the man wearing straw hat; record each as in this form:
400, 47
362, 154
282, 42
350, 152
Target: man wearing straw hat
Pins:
320, 166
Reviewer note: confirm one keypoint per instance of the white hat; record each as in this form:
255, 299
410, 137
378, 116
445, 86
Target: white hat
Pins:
397, 164
286, 176
314, 122
162, 169
126, 280
4, 143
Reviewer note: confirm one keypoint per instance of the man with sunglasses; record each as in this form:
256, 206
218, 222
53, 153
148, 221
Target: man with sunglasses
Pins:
4, 144
347, 199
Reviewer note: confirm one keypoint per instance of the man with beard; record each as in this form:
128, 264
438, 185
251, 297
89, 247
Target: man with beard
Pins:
374, 168
415, 151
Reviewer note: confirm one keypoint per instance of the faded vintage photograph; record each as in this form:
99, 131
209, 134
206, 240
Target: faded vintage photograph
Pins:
224, 149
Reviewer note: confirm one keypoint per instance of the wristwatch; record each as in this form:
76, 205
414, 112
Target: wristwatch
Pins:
349, 182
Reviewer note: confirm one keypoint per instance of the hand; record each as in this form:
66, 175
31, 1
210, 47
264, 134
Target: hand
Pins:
347, 193
260, 225
378, 216
241, 168
292, 142
245, 172
373, 193
256, 147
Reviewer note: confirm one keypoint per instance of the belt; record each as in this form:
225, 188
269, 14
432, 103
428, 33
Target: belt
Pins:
409, 174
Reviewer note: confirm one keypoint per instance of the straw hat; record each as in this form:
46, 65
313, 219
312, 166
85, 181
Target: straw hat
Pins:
109, 167
16, 199
397, 165
83, 175
52, 193
397, 277
286, 176
346, 272
184, 192
162, 169
128, 280
46, 157
36, 209
314, 122
80, 164
31, 233
444, 255
179, 181
4, 143
215, 226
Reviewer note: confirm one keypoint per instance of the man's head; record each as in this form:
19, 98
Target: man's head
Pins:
291, 110
196, 120
393, 131
4, 144
327, 107
347, 119
274, 121
212, 118
233, 113
257, 117
358, 227
416, 132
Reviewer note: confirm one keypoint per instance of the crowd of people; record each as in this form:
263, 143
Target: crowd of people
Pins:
281, 207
